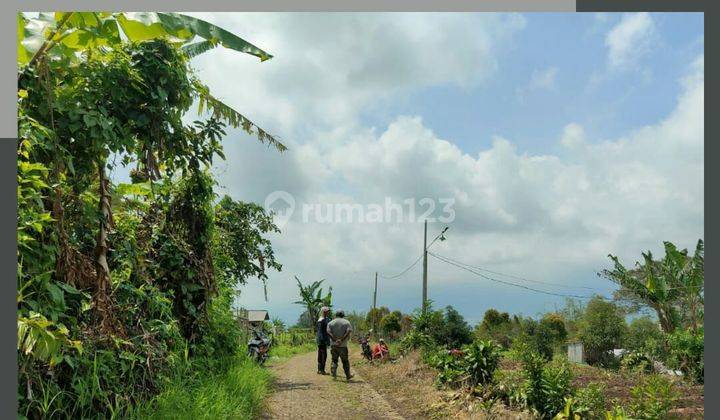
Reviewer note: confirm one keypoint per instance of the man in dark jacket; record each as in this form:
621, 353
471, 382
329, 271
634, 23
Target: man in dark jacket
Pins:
323, 340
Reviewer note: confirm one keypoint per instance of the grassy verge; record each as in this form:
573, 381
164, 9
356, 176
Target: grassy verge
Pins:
234, 389
284, 351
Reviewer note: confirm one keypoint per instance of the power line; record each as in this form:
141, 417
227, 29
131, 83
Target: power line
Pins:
459, 265
402, 272
414, 263
526, 279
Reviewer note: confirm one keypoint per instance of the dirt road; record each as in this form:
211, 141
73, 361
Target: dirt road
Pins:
300, 393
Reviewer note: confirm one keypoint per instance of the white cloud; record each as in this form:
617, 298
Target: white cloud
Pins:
327, 67
573, 135
631, 39
545, 216
544, 79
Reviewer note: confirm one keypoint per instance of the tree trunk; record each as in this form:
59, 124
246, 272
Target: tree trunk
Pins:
102, 292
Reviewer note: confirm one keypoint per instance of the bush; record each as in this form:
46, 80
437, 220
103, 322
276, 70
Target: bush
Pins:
636, 361
509, 386
590, 401
481, 360
474, 366
687, 353
547, 384
450, 368
457, 332
643, 330
601, 330
414, 340
653, 398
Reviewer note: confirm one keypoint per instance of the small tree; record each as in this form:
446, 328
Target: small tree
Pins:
644, 334
457, 332
601, 330
391, 323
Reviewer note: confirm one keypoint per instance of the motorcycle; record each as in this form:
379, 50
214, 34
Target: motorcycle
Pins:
367, 353
259, 346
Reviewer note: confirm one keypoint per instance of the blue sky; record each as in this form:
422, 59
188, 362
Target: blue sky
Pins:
573, 44
562, 138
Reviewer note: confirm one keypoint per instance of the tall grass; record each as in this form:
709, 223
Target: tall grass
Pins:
234, 388
285, 351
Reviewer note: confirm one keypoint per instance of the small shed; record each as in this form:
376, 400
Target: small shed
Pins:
257, 317
576, 353
252, 318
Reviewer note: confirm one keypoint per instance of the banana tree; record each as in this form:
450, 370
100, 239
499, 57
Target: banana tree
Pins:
312, 298
673, 287
68, 43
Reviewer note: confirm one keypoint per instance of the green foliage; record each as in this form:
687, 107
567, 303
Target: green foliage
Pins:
227, 388
642, 332
673, 287
414, 340
547, 384
456, 330
312, 298
687, 353
589, 402
653, 398
498, 327
602, 329
510, 387
635, 361
481, 360
144, 256
475, 365
390, 323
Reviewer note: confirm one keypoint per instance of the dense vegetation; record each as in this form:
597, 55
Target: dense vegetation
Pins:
543, 384
125, 289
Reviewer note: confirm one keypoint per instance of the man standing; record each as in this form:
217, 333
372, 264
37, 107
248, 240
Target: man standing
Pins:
323, 340
339, 330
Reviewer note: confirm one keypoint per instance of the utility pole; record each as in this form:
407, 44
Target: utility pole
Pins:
424, 293
374, 311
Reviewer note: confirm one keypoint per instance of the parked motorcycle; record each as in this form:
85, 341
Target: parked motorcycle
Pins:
259, 347
367, 353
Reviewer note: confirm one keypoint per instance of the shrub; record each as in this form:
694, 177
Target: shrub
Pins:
481, 360
636, 361
450, 368
509, 386
547, 384
601, 330
590, 401
457, 332
653, 398
641, 331
475, 365
687, 353
414, 340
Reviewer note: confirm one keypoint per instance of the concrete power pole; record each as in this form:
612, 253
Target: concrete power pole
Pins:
424, 290
374, 313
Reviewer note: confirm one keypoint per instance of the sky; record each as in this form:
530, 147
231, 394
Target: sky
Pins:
557, 139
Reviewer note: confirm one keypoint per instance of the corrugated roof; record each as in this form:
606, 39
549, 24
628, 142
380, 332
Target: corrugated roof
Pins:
257, 315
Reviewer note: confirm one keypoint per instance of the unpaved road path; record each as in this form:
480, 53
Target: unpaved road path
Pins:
300, 393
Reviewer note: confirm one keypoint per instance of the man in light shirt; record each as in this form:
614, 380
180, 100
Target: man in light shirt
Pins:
339, 330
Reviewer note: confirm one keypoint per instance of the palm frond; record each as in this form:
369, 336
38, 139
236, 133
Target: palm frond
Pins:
223, 112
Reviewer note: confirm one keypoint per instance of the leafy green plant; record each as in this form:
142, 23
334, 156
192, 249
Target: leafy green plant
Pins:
601, 330
481, 359
590, 401
414, 340
687, 353
636, 361
547, 384
652, 398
